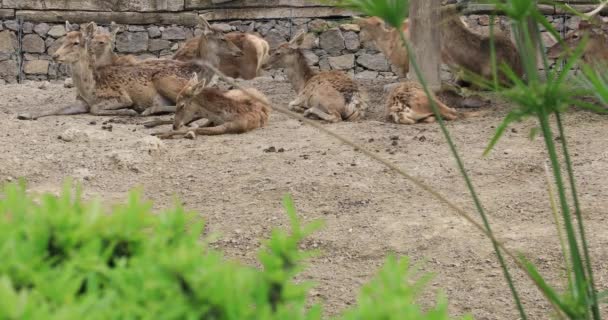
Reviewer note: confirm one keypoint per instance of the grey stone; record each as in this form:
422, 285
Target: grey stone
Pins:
300, 21
132, 42
174, 33
5, 56
324, 64
343, 62
318, 25
310, 41
154, 32
572, 24
332, 41
367, 75
274, 38
28, 27
8, 42
350, 27
54, 46
311, 57
246, 27
351, 41
8, 70
158, 45
33, 43
265, 27
375, 62
42, 29
29, 56
1, 27
57, 31
136, 28
36, 67
224, 27
11, 25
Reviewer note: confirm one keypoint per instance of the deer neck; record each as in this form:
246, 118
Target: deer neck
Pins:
299, 72
83, 75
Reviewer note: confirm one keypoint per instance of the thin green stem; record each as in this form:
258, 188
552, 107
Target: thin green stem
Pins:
579, 293
592, 292
558, 226
464, 173
493, 54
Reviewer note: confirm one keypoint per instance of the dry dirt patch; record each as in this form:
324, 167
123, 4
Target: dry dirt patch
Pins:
236, 182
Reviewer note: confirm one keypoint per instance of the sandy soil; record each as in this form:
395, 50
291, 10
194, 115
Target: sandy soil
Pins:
236, 184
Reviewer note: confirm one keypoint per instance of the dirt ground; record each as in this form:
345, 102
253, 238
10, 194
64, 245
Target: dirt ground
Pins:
237, 182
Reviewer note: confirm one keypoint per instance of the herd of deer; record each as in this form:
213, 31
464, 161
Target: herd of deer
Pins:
112, 85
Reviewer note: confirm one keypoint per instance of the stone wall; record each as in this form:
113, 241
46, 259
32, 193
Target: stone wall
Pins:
331, 44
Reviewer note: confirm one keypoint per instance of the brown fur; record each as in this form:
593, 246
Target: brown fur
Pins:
388, 40
228, 111
596, 49
408, 104
464, 50
331, 96
245, 65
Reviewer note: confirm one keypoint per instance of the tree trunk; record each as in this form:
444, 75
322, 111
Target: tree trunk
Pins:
425, 36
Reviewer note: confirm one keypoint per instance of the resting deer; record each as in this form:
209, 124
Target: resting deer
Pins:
331, 96
596, 48
147, 88
228, 111
103, 47
408, 104
387, 40
246, 66
464, 50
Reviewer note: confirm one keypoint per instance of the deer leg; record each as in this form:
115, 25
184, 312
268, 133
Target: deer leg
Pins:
297, 105
156, 123
160, 105
78, 108
334, 117
114, 107
228, 127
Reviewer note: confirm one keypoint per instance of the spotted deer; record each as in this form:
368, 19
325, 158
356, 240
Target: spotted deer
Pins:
331, 96
596, 46
407, 103
144, 88
230, 111
388, 40
247, 65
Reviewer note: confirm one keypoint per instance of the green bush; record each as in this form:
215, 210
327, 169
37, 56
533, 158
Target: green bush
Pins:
63, 258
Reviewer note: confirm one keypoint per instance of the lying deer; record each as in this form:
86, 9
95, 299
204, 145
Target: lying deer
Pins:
466, 51
246, 65
408, 104
331, 96
228, 111
596, 48
103, 46
388, 40
148, 87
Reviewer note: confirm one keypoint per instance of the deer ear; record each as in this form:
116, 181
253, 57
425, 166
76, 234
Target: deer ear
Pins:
90, 29
298, 39
114, 29
68, 26
200, 87
204, 24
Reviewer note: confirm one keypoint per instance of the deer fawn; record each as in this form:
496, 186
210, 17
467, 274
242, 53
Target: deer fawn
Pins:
408, 104
246, 65
102, 45
149, 87
228, 111
331, 96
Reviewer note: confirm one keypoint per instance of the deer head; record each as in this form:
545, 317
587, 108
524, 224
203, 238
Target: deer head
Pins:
187, 102
72, 46
286, 54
